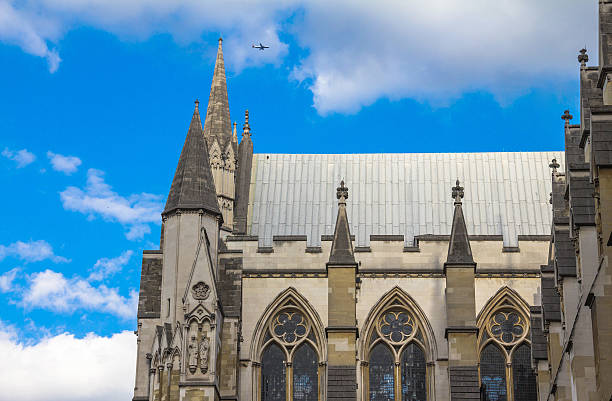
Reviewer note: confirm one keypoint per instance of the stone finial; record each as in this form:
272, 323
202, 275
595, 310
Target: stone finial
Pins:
220, 39
567, 117
234, 133
246, 129
457, 192
197, 105
342, 193
554, 165
583, 57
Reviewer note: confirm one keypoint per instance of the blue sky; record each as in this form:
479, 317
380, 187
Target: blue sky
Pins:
96, 98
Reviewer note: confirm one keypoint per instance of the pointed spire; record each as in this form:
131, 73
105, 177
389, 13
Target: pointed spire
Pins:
217, 123
342, 245
459, 250
193, 186
234, 134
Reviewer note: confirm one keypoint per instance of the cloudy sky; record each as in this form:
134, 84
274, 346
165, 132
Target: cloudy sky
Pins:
96, 97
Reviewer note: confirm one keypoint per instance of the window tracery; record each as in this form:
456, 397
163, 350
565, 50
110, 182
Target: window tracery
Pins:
396, 367
290, 368
505, 350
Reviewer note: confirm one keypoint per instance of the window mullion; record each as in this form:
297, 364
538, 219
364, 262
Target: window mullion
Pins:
289, 381
398, 381
509, 385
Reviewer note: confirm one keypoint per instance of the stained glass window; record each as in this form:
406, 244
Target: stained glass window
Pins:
273, 376
413, 374
381, 374
493, 373
523, 376
305, 375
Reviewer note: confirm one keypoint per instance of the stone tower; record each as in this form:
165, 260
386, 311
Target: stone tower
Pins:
179, 315
222, 145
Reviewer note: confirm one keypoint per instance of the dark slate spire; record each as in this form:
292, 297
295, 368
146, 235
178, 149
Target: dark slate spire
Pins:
342, 246
459, 250
243, 178
217, 123
193, 186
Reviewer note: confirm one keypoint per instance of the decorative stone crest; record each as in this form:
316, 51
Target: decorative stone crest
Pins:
342, 192
583, 57
200, 291
457, 192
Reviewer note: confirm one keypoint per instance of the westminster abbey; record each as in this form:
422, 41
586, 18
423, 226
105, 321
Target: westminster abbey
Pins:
383, 277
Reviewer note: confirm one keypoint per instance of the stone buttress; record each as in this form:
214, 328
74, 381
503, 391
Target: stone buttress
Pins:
342, 326
461, 330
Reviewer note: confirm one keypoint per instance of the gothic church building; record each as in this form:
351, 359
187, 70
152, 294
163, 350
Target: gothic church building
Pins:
383, 277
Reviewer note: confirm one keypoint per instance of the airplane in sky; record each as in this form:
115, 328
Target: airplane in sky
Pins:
260, 47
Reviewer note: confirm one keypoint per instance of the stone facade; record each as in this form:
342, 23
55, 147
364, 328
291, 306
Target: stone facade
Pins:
242, 302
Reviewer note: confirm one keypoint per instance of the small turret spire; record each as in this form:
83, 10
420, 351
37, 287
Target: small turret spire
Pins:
193, 187
234, 134
342, 245
459, 249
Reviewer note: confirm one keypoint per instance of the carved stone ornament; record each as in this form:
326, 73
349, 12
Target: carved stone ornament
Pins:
200, 291
193, 354
204, 347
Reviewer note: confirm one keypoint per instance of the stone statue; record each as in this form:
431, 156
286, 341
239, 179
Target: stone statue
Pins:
193, 354
204, 346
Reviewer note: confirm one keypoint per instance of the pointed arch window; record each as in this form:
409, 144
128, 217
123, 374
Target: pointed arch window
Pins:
505, 368
290, 369
397, 367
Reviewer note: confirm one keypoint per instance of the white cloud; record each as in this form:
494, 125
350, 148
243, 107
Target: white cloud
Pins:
67, 368
6, 280
106, 267
21, 157
33, 251
53, 291
65, 164
356, 52
27, 30
98, 199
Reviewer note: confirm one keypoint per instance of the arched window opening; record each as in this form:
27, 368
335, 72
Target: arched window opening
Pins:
397, 365
305, 374
493, 373
505, 350
382, 381
290, 368
523, 376
273, 376
413, 374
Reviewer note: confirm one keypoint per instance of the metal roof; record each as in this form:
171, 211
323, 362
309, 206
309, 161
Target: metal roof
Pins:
506, 193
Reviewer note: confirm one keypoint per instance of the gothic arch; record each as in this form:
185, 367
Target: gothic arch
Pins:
288, 298
398, 342
397, 296
504, 346
288, 351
